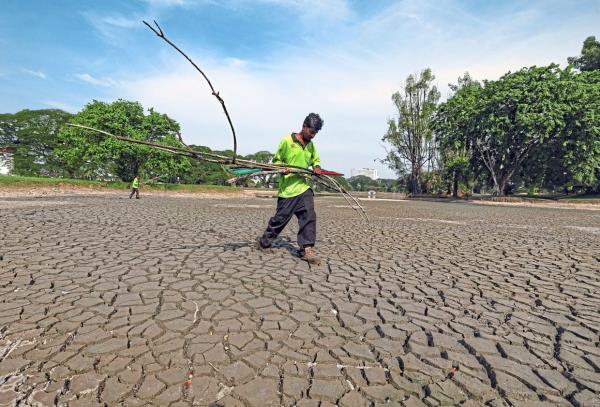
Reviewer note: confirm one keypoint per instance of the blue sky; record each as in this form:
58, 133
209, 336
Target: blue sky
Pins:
274, 61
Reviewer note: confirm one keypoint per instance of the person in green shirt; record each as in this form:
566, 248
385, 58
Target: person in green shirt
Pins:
135, 188
295, 196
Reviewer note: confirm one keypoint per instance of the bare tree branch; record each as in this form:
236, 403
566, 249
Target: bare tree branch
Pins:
159, 32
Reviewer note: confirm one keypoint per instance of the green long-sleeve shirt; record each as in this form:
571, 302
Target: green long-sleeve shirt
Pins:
135, 183
291, 152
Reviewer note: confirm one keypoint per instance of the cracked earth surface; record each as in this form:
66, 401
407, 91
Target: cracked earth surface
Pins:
106, 301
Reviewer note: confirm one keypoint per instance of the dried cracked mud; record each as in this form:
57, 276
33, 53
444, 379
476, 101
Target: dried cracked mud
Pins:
106, 301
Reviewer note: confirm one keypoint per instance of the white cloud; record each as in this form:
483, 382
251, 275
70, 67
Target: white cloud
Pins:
121, 21
86, 77
111, 28
38, 74
236, 62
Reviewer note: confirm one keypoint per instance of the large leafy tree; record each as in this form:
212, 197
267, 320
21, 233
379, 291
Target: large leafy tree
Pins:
538, 126
589, 59
410, 136
33, 135
455, 129
91, 155
512, 117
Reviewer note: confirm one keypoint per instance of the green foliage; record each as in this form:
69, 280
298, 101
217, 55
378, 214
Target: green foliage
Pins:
454, 127
202, 172
33, 135
589, 59
503, 122
364, 183
87, 154
411, 135
581, 134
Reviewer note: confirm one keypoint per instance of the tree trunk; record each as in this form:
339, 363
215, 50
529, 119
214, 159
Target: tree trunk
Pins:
497, 190
501, 186
414, 184
454, 185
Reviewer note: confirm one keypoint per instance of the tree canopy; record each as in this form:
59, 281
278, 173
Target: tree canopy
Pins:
411, 135
33, 135
85, 153
589, 59
539, 124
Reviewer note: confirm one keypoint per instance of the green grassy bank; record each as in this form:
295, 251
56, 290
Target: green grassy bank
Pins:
18, 182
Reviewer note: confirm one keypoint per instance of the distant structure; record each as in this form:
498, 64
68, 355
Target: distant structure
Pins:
6, 160
367, 172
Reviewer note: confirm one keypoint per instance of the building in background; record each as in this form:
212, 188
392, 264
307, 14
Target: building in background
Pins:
6, 160
367, 172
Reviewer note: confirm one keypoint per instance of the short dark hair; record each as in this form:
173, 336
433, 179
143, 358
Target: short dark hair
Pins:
313, 121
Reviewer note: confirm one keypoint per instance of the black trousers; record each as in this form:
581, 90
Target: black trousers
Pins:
135, 191
303, 206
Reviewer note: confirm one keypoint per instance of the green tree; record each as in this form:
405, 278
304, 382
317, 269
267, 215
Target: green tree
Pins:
33, 134
506, 121
91, 155
515, 115
410, 135
589, 59
362, 183
581, 133
8, 134
202, 172
455, 128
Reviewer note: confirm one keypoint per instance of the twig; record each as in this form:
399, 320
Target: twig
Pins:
195, 312
159, 32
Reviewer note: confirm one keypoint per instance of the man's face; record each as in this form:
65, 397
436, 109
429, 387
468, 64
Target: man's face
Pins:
308, 133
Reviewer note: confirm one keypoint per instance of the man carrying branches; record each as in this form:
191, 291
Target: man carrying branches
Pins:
295, 196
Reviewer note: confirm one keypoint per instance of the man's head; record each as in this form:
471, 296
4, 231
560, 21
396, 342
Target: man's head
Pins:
311, 126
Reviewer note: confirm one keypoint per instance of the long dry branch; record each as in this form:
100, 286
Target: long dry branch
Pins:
265, 168
159, 32
359, 208
254, 174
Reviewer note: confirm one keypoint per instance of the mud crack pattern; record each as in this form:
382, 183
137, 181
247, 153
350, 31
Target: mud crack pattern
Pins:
164, 301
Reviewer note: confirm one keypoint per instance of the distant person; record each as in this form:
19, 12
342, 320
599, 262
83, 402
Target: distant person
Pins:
295, 197
135, 188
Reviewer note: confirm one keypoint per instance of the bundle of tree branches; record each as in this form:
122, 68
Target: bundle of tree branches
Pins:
244, 168
241, 168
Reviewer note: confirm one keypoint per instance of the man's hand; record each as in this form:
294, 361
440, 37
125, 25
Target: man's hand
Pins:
284, 171
317, 170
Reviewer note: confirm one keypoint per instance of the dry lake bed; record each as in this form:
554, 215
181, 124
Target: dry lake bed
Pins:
165, 301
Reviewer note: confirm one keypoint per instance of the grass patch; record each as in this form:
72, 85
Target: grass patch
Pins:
30, 182
581, 198
19, 182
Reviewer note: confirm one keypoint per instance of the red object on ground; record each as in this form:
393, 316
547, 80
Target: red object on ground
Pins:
333, 173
